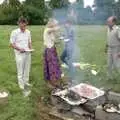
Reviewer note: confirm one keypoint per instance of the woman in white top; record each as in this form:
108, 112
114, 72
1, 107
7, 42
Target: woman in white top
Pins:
52, 72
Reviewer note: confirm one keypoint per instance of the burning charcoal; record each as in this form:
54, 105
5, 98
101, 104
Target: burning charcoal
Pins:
60, 103
72, 95
81, 111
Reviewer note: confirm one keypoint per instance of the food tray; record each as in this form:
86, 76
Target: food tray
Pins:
87, 91
62, 95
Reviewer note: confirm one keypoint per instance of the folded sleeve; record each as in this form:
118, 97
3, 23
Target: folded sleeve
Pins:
13, 37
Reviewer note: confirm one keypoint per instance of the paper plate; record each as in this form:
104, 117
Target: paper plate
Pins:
29, 50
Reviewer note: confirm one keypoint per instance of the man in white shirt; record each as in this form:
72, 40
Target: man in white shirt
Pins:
20, 41
113, 45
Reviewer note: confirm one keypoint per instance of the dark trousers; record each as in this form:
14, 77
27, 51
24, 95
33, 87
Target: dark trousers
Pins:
67, 58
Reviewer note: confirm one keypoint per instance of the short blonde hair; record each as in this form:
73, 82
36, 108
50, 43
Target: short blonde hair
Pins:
52, 21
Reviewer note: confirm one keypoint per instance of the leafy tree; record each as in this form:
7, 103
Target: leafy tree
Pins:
9, 11
104, 9
34, 10
58, 3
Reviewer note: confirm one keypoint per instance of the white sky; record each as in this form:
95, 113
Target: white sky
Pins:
86, 2
1, 1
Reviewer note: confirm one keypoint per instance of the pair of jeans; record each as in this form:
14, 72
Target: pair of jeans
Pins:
67, 58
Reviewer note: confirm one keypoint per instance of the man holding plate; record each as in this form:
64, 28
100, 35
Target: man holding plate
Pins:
20, 41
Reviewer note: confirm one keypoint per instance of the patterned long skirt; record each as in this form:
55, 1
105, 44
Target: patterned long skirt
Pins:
52, 70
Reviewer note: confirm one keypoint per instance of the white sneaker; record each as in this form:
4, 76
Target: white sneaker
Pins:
28, 84
21, 87
26, 93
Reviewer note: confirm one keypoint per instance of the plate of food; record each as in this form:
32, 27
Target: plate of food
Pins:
29, 50
87, 91
66, 40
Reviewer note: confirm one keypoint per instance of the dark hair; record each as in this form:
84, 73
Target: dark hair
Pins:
22, 20
114, 19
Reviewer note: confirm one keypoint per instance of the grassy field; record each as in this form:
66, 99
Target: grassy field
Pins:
89, 49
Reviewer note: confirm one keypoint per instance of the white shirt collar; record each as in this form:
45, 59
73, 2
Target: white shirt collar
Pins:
19, 30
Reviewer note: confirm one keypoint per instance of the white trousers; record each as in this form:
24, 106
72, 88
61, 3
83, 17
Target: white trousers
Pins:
23, 62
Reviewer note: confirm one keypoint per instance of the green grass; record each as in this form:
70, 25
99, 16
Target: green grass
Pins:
90, 49
20, 108
91, 41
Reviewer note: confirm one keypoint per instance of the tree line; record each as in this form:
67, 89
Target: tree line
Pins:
38, 11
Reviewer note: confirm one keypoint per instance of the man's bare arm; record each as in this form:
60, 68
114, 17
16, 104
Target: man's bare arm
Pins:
30, 45
17, 48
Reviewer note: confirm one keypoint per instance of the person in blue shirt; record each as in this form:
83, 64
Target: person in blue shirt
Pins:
67, 55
